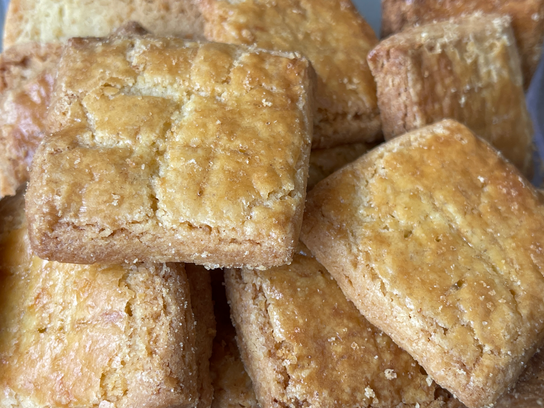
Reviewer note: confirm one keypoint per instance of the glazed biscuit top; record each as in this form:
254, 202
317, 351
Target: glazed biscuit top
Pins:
331, 34
325, 344
452, 232
163, 132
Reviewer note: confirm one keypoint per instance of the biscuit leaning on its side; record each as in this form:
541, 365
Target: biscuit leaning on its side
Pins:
332, 35
27, 74
527, 21
57, 20
81, 336
465, 69
305, 345
438, 242
168, 150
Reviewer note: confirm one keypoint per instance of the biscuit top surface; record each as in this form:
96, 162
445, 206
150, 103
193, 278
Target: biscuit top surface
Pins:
27, 74
51, 20
73, 335
325, 344
451, 234
527, 17
466, 69
156, 134
331, 34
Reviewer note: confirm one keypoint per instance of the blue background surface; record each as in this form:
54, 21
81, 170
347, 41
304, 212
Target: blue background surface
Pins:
371, 10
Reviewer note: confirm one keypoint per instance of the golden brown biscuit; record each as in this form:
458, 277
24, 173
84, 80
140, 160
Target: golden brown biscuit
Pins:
527, 21
438, 242
305, 345
332, 35
324, 162
52, 20
465, 69
81, 336
232, 386
202, 306
27, 75
167, 150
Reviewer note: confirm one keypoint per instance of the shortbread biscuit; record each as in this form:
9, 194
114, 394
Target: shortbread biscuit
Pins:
332, 35
304, 344
202, 306
527, 21
437, 240
56, 21
27, 74
324, 162
529, 390
166, 150
465, 69
232, 387
89, 336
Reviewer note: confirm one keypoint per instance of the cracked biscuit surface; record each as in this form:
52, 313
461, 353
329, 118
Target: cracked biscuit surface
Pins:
465, 69
438, 242
527, 21
305, 345
167, 150
332, 35
94, 335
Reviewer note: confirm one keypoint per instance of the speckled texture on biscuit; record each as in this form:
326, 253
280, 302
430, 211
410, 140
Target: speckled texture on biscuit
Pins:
527, 21
92, 335
332, 35
438, 242
305, 345
465, 69
166, 150
27, 74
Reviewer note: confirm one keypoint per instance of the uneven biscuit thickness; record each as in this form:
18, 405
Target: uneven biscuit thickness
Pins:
332, 35
165, 150
27, 74
465, 69
438, 242
92, 335
527, 21
305, 345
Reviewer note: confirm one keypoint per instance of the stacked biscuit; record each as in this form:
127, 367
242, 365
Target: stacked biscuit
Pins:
417, 280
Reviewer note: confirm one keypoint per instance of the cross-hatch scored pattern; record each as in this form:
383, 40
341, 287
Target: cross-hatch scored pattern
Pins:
178, 128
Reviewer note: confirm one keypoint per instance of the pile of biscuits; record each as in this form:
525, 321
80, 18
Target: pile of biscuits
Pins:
158, 247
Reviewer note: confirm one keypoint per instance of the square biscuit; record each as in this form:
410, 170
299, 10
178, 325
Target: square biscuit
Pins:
305, 345
465, 69
332, 35
165, 150
93, 335
438, 242
47, 21
27, 75
527, 21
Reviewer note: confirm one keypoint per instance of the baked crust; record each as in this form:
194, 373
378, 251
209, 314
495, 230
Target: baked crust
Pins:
465, 69
232, 386
27, 75
527, 21
53, 21
324, 162
81, 336
436, 239
304, 344
332, 35
167, 150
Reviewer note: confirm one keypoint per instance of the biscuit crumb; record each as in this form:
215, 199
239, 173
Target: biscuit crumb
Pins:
369, 393
390, 374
